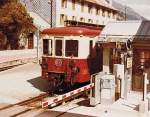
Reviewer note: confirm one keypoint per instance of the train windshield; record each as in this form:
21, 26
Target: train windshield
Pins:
47, 46
58, 48
71, 48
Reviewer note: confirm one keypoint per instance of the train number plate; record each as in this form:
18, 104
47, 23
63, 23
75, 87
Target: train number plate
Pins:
58, 62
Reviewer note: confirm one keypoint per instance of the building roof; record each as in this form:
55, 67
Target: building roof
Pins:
121, 28
124, 30
71, 31
144, 29
38, 21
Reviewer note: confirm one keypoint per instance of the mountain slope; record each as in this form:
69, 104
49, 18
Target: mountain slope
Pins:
130, 13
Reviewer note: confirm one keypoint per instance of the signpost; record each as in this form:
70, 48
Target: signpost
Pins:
129, 62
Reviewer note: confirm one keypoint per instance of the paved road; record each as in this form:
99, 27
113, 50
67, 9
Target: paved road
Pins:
60, 114
21, 83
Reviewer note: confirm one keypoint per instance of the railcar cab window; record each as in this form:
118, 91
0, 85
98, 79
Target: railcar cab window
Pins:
71, 48
58, 47
47, 46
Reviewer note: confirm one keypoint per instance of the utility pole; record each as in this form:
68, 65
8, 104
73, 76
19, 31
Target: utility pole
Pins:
125, 13
125, 10
51, 12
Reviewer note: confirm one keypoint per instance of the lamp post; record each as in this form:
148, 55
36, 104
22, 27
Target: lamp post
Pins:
51, 12
38, 38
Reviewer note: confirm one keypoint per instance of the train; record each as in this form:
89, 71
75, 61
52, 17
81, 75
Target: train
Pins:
70, 56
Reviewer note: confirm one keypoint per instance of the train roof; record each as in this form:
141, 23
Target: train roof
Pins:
71, 31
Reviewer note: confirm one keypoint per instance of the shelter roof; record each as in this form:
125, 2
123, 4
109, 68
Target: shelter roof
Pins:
124, 30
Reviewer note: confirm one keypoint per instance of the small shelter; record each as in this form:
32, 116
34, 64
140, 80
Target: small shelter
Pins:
128, 43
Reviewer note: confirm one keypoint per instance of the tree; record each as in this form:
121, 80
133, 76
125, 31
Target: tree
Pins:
14, 21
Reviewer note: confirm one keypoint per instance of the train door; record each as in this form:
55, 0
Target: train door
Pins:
95, 57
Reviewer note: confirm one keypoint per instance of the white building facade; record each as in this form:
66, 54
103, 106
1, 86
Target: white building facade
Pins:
87, 11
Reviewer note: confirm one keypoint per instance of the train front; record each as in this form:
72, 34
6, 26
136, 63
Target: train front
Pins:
65, 60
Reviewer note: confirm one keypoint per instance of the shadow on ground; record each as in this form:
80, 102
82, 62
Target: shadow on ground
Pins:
60, 114
39, 83
136, 108
85, 102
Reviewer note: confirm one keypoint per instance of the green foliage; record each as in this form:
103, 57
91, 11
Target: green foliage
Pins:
14, 19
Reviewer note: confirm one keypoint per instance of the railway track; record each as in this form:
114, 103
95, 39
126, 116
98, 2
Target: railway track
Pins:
8, 67
36, 103
30, 104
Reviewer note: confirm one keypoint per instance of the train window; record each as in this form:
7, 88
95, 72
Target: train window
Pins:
71, 48
45, 46
58, 48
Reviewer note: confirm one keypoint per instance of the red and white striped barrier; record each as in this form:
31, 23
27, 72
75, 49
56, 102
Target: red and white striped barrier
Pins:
53, 102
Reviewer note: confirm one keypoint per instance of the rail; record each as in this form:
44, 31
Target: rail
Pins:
27, 103
9, 67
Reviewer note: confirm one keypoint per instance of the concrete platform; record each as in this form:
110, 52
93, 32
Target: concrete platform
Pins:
121, 108
80, 108
16, 57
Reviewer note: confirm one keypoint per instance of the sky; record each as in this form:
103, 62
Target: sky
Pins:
140, 6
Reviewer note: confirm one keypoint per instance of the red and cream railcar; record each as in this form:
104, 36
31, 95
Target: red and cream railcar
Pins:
70, 55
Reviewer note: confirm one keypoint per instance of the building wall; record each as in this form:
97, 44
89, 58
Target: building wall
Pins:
141, 59
104, 14
43, 9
